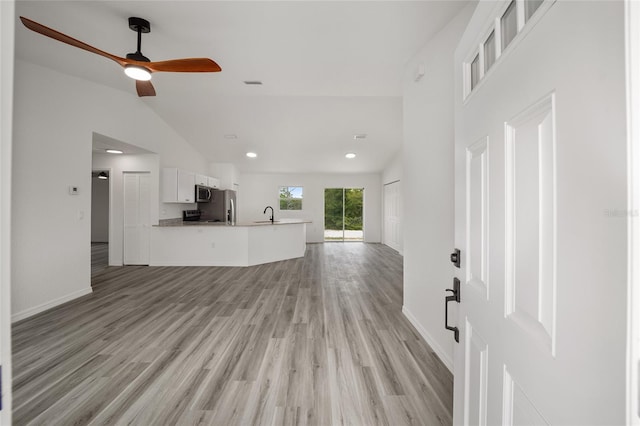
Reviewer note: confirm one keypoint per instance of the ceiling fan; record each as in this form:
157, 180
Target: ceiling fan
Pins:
136, 65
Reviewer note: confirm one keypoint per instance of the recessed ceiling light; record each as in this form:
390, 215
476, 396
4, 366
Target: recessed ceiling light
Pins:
252, 154
114, 151
360, 136
350, 155
231, 136
253, 82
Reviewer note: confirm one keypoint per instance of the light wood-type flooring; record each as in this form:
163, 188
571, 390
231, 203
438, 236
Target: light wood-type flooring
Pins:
319, 340
99, 257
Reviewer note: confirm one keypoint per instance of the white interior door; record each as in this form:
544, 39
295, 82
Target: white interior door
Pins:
137, 218
540, 183
392, 218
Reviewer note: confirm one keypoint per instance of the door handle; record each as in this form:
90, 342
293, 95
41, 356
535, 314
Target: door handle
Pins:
454, 297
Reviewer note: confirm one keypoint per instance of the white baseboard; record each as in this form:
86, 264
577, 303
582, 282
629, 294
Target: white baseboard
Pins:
48, 305
446, 359
195, 263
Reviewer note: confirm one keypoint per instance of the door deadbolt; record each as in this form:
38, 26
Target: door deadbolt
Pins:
455, 258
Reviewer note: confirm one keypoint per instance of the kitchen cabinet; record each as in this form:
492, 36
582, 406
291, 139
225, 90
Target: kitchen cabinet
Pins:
224, 245
213, 182
178, 186
202, 180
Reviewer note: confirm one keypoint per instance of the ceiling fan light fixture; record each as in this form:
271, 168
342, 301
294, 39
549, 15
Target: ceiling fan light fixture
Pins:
137, 72
251, 154
350, 155
103, 175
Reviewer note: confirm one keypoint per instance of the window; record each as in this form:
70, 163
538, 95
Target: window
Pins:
475, 71
509, 25
489, 51
510, 21
530, 7
290, 198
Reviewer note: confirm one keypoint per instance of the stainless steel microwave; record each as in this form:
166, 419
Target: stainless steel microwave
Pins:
203, 194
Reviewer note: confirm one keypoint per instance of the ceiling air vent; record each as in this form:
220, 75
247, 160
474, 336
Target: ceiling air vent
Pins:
253, 82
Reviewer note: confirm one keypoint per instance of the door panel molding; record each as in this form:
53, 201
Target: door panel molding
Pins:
476, 376
517, 408
477, 201
530, 221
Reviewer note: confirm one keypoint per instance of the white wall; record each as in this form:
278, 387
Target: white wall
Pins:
259, 190
117, 166
55, 116
428, 160
99, 210
7, 19
394, 170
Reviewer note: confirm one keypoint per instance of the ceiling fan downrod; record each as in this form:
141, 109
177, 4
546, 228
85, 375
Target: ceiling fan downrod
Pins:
140, 26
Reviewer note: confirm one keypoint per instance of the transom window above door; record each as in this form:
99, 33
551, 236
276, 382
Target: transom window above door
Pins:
511, 20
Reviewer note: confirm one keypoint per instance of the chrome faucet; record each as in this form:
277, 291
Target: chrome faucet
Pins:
265, 212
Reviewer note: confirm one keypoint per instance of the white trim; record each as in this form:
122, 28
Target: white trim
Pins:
632, 42
7, 38
50, 304
446, 360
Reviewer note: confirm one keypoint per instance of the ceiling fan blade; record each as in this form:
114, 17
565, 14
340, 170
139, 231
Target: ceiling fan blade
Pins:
145, 88
56, 35
184, 65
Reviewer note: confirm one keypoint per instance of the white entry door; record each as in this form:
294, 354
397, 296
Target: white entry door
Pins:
392, 218
137, 218
541, 215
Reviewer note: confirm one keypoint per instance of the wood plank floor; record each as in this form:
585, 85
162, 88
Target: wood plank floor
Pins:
99, 257
319, 340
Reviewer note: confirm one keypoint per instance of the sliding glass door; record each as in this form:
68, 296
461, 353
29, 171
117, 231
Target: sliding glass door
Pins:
343, 208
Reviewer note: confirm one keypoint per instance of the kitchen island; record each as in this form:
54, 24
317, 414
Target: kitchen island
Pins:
177, 243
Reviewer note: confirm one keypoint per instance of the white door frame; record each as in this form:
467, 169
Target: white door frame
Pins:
632, 35
7, 20
398, 245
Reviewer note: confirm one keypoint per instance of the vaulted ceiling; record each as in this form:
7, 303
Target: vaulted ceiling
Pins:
330, 70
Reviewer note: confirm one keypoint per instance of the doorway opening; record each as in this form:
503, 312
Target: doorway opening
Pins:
99, 220
343, 214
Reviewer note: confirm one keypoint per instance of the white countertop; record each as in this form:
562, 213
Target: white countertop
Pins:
178, 223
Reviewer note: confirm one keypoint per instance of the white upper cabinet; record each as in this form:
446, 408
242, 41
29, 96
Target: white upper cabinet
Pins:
202, 180
213, 182
178, 186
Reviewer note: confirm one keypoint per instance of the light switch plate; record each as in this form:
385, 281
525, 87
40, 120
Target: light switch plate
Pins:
73, 190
